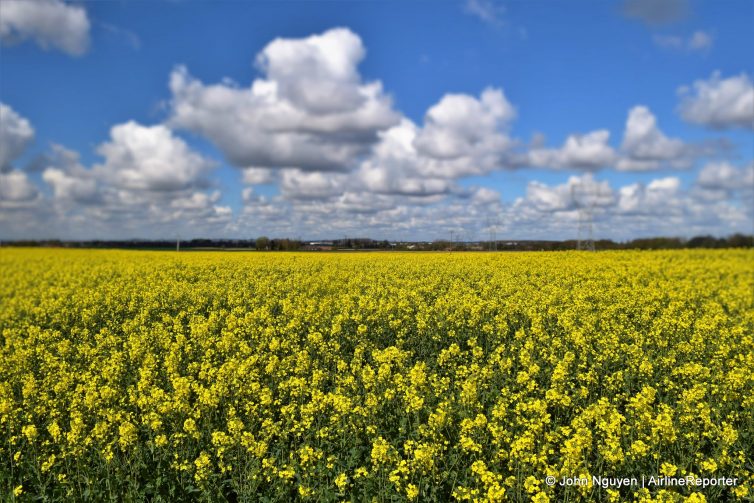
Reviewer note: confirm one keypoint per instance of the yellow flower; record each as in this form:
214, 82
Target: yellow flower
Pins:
341, 481
202, 464
668, 469
30, 432
412, 492
380, 451
127, 434
709, 465
696, 498
305, 491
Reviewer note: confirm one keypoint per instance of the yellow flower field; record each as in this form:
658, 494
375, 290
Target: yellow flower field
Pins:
375, 377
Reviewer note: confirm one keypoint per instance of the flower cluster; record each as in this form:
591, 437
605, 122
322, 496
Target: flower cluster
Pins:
388, 377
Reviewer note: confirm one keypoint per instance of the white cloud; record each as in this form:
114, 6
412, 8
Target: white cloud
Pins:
668, 184
645, 146
485, 196
660, 207
411, 161
345, 162
69, 179
590, 151
655, 198
489, 11
719, 103
66, 186
195, 201
248, 195
311, 111
126, 196
315, 128
461, 125
15, 187
462, 136
149, 158
724, 176
699, 41
395, 166
298, 184
577, 192
259, 176
50, 23
16, 134
545, 198
317, 74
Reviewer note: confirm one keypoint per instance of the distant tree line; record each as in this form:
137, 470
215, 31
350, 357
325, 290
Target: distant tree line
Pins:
263, 243
655, 243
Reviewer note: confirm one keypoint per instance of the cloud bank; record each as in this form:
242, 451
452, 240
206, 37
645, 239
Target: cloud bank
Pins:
320, 151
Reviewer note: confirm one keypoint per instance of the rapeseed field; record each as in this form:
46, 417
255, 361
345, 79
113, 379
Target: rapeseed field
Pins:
155, 376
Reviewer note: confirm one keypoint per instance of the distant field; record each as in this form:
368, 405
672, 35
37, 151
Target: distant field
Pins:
388, 377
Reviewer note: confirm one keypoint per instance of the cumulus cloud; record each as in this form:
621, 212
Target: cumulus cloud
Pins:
317, 74
577, 192
655, 12
367, 214
315, 128
67, 186
726, 177
719, 103
16, 134
150, 158
298, 184
461, 125
659, 207
311, 111
646, 147
50, 23
396, 167
69, 179
590, 151
345, 162
393, 168
15, 187
485, 196
258, 176
150, 184
462, 135
657, 196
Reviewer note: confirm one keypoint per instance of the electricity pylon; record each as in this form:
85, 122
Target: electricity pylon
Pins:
584, 199
492, 228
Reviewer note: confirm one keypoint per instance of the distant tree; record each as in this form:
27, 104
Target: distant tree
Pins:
658, 243
262, 243
740, 241
705, 242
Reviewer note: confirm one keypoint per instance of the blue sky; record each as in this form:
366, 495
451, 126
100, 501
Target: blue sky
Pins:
179, 163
